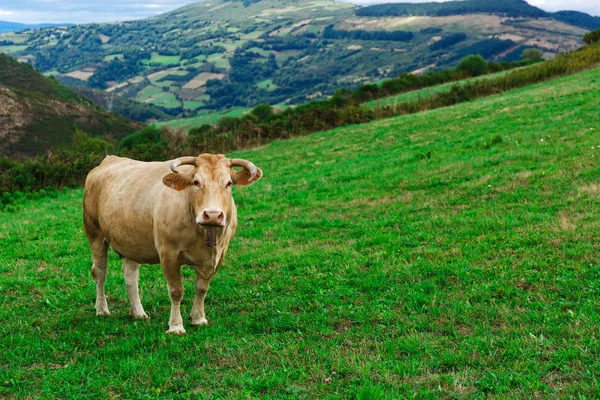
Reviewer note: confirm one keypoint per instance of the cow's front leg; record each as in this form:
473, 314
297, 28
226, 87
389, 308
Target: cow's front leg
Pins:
172, 272
200, 289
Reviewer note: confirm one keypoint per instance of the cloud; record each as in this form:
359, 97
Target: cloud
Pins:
85, 11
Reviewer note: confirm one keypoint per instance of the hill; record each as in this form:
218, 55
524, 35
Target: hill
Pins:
133, 110
38, 113
15, 26
470, 272
220, 55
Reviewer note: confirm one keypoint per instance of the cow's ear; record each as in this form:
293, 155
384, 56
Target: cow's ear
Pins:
177, 181
242, 177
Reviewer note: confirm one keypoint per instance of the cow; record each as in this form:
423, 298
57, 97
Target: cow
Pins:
173, 213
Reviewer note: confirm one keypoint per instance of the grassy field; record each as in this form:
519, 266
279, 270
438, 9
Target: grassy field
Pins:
415, 95
447, 254
166, 60
208, 118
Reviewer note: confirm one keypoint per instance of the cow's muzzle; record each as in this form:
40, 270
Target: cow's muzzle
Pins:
211, 218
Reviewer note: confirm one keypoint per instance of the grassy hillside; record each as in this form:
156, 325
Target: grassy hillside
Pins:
447, 254
222, 55
38, 113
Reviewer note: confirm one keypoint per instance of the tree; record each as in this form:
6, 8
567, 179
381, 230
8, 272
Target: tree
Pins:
262, 111
473, 65
83, 142
532, 54
592, 37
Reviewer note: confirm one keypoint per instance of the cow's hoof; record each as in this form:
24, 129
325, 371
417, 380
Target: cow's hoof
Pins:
103, 313
199, 322
141, 316
176, 330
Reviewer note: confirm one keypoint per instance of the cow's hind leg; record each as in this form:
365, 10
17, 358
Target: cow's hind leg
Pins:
131, 274
99, 266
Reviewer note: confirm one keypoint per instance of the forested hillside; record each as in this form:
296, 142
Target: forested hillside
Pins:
509, 8
222, 55
38, 113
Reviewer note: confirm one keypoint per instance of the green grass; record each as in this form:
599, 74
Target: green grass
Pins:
148, 92
193, 105
12, 48
167, 100
208, 118
447, 254
428, 91
267, 84
113, 57
165, 60
252, 35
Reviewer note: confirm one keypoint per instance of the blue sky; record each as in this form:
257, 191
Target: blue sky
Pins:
83, 11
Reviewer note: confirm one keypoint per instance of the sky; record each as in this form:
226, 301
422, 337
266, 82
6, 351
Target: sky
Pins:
84, 11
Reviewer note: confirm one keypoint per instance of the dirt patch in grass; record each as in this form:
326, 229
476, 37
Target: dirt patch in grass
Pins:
201, 80
81, 75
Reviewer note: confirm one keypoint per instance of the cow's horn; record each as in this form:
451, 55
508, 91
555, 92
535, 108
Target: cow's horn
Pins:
182, 161
237, 162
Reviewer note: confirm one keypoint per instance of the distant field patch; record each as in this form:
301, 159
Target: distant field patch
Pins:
105, 39
193, 105
201, 80
253, 35
148, 92
81, 75
284, 55
118, 86
167, 100
113, 57
267, 84
12, 49
203, 119
165, 60
258, 50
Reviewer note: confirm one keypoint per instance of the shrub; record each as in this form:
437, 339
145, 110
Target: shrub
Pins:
147, 135
473, 65
532, 54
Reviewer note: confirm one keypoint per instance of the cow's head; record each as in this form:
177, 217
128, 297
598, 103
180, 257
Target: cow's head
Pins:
210, 184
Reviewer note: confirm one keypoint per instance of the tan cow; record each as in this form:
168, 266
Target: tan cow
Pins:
150, 215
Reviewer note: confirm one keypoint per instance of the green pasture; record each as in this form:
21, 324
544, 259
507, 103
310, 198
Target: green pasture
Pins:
193, 105
148, 92
165, 60
206, 118
267, 84
447, 254
114, 57
415, 95
12, 48
167, 100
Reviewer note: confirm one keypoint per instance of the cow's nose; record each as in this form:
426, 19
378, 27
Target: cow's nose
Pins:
213, 217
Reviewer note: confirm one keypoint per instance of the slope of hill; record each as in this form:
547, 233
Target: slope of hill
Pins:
361, 269
133, 110
220, 55
37, 113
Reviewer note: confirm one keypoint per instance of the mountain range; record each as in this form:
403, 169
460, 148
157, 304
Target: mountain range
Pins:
16, 26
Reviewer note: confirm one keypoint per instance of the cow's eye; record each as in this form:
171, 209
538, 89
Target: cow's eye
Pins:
196, 183
229, 184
